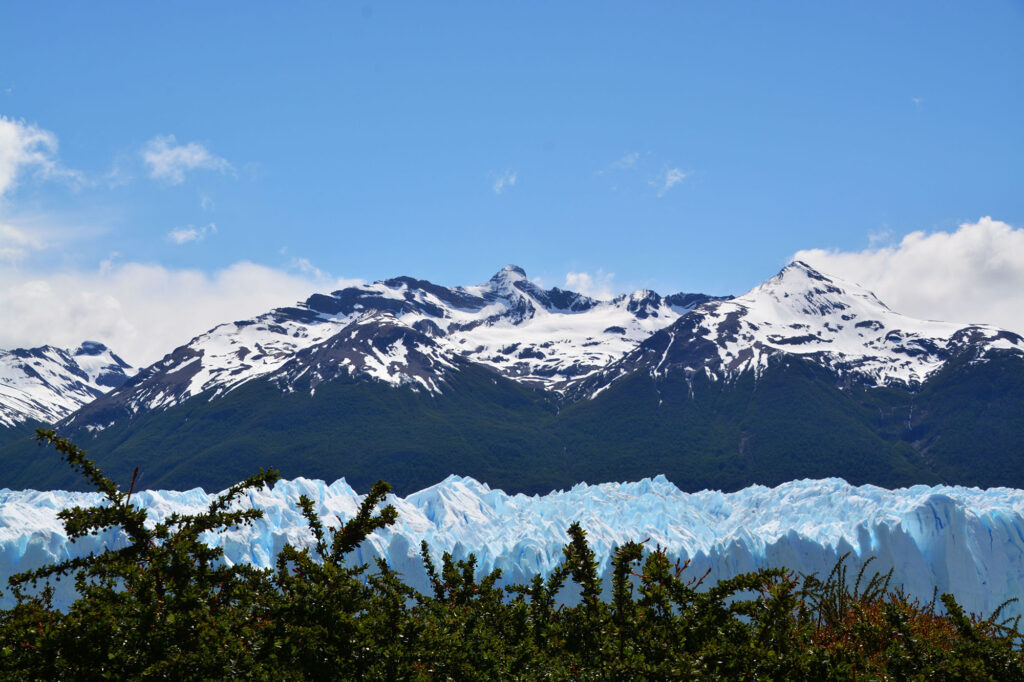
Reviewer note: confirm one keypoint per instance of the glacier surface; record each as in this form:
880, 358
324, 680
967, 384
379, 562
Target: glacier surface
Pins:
963, 540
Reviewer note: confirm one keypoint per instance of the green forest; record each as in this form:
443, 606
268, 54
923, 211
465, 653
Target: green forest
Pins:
964, 426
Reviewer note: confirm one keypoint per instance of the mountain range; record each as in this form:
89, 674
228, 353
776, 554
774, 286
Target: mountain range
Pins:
530, 389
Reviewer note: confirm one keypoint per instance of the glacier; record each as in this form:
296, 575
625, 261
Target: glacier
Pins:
966, 541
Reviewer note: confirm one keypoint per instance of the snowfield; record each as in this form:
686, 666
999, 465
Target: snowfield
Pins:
963, 540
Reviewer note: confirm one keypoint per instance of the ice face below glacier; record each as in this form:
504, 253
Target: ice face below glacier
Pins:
963, 540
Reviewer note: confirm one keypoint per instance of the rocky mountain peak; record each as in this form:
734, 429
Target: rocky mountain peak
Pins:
47, 383
507, 278
800, 290
510, 271
644, 303
91, 348
802, 312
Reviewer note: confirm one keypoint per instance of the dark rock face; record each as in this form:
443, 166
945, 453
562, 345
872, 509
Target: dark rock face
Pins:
47, 383
111, 378
569, 300
723, 337
691, 301
90, 348
378, 346
644, 306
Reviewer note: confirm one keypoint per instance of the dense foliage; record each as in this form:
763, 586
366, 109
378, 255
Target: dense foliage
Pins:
166, 607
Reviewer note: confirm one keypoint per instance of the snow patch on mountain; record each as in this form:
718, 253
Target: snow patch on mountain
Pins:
48, 383
802, 312
549, 338
963, 540
410, 332
542, 337
377, 345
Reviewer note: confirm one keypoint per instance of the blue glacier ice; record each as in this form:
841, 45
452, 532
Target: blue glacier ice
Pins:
963, 540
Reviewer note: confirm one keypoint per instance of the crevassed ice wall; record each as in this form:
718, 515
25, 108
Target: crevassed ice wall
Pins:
963, 540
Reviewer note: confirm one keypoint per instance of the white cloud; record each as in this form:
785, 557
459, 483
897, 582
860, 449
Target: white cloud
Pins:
599, 285
183, 235
51, 233
627, 162
670, 178
169, 161
504, 181
877, 238
141, 310
22, 146
975, 274
307, 268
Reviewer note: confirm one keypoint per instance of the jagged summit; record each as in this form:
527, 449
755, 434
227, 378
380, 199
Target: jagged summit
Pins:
509, 273
411, 381
376, 345
804, 312
413, 333
543, 337
48, 383
91, 348
803, 290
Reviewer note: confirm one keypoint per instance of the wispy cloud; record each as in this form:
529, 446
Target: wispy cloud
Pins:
25, 235
974, 274
184, 235
598, 285
668, 179
306, 267
640, 168
504, 181
879, 238
119, 173
627, 162
15, 243
26, 146
170, 161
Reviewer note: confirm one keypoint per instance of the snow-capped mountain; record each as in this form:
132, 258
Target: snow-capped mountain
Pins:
551, 338
802, 312
46, 384
376, 345
962, 540
531, 389
405, 331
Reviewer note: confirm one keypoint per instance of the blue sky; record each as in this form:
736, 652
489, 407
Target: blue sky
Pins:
674, 146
